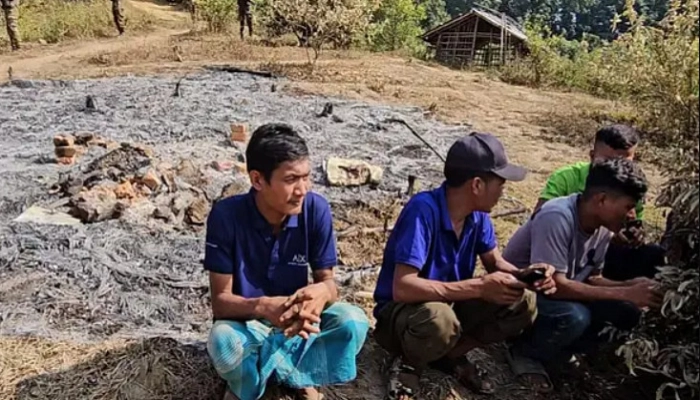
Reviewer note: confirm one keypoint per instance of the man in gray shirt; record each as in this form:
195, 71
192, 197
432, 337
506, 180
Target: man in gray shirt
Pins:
572, 234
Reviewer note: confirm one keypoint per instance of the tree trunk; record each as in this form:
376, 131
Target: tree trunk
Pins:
9, 8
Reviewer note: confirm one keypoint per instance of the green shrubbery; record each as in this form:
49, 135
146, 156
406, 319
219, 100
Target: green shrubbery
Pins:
219, 15
388, 25
396, 26
655, 70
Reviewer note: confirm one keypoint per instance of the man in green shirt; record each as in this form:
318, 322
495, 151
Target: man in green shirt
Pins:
572, 179
627, 257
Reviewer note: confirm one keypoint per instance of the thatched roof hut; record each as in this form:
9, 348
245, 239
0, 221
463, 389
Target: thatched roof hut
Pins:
481, 37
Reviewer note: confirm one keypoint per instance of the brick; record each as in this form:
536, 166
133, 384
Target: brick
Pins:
125, 190
222, 166
96, 204
65, 160
151, 179
84, 138
63, 140
65, 151
239, 133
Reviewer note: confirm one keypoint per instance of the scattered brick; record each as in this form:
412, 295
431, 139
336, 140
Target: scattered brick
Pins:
239, 133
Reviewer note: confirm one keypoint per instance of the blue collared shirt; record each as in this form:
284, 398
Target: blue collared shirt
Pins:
239, 241
424, 238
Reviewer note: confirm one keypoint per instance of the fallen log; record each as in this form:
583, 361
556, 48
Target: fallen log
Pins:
236, 70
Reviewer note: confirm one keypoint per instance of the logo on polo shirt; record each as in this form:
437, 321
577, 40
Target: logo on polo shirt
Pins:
299, 259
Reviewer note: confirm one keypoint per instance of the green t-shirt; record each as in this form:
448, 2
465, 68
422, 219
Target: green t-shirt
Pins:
572, 179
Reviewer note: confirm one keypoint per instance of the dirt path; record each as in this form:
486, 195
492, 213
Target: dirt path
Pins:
163, 11
38, 61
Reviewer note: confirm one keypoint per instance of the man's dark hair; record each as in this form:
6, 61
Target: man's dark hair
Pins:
618, 176
617, 137
271, 145
456, 177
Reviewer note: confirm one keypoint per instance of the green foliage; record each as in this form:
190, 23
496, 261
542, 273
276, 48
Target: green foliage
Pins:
220, 15
667, 344
569, 18
435, 13
397, 25
552, 61
654, 68
317, 23
56, 20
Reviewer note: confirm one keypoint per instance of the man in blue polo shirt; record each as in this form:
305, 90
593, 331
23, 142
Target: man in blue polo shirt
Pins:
431, 310
270, 322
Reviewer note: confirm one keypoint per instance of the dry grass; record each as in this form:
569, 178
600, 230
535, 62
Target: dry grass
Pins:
53, 21
151, 369
160, 369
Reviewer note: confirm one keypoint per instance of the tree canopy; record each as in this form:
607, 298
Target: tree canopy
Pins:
570, 18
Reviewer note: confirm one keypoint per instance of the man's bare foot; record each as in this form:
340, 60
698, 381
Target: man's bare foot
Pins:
309, 394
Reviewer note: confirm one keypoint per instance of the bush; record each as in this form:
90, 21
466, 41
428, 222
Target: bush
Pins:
56, 20
667, 344
317, 23
397, 25
219, 15
661, 81
655, 69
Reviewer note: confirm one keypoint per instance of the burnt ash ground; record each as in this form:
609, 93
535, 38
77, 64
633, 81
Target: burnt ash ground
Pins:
128, 278
80, 288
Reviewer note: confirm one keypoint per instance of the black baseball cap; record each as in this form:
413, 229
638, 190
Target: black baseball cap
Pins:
482, 152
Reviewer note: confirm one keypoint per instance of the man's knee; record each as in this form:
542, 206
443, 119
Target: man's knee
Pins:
432, 330
508, 322
226, 346
573, 321
346, 320
522, 314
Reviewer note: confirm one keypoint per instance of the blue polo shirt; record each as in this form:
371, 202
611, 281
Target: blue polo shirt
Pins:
239, 241
424, 238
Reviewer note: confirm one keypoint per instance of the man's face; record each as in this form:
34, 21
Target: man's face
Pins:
614, 210
602, 151
487, 192
288, 185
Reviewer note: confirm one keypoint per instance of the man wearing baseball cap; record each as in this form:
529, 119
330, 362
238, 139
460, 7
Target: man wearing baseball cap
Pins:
430, 309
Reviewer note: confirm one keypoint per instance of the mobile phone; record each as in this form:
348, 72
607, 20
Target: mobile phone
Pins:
531, 276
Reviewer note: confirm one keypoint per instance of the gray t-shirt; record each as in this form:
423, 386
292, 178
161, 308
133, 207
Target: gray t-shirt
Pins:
553, 236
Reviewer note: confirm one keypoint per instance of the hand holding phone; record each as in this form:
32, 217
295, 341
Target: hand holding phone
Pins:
538, 277
529, 277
